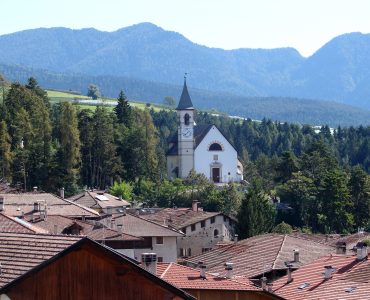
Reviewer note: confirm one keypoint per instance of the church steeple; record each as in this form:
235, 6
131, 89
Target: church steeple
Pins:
185, 101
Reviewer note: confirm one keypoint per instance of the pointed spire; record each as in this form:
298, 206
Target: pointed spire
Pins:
185, 101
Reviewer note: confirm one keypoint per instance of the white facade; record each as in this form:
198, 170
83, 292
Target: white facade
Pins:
166, 252
201, 237
224, 160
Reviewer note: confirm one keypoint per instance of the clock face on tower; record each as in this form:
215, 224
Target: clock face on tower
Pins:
187, 133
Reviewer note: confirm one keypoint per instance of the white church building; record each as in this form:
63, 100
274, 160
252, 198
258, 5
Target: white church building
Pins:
201, 147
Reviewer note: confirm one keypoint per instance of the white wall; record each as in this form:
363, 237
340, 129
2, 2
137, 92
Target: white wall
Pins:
167, 250
228, 158
204, 237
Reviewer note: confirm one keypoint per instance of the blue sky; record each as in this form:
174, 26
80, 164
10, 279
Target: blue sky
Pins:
303, 24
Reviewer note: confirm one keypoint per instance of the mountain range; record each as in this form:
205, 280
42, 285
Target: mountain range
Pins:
147, 54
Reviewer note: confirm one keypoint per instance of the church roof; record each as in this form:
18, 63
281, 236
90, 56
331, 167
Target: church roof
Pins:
200, 131
185, 101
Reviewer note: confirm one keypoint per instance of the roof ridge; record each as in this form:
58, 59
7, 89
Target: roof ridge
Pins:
155, 223
278, 254
165, 271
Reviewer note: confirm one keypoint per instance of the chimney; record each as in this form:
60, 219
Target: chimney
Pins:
120, 197
35, 189
296, 255
269, 287
361, 249
149, 262
236, 237
340, 247
36, 206
289, 273
112, 223
229, 270
264, 283
55, 229
109, 210
119, 228
202, 270
328, 271
62, 193
194, 205
2, 203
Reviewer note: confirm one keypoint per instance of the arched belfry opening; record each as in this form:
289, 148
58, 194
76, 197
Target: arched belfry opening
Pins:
187, 119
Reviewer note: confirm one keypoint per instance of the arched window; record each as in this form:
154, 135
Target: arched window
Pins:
215, 233
186, 119
215, 147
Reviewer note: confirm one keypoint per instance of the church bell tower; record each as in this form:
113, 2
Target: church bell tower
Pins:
185, 116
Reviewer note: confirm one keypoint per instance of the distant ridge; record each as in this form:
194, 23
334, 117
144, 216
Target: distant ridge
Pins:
295, 110
339, 71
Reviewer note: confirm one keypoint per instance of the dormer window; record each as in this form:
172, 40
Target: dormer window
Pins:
215, 147
187, 119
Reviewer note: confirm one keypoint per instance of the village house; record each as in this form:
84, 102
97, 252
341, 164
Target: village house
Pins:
266, 255
43, 267
157, 238
331, 277
203, 230
202, 148
101, 201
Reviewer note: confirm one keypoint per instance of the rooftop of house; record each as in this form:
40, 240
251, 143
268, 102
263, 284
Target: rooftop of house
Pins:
99, 199
23, 204
180, 217
349, 279
20, 252
16, 225
138, 226
23, 255
57, 224
189, 278
261, 254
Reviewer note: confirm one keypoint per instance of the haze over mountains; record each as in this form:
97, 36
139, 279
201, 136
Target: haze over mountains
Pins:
339, 71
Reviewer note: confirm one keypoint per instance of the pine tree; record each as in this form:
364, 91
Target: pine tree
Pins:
5, 152
257, 213
123, 110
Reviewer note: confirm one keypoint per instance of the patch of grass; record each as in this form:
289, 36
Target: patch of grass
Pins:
59, 94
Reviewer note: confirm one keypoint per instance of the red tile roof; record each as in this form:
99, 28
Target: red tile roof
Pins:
261, 254
138, 226
11, 224
189, 278
20, 252
349, 273
92, 229
91, 199
23, 204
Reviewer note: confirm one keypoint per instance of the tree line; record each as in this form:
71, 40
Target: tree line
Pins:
313, 179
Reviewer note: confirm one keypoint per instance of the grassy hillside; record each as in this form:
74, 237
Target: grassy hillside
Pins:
284, 109
88, 103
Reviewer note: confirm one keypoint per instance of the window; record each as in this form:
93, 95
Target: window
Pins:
225, 218
205, 249
189, 251
184, 230
192, 227
159, 259
186, 119
212, 220
215, 233
159, 240
215, 147
215, 157
203, 224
